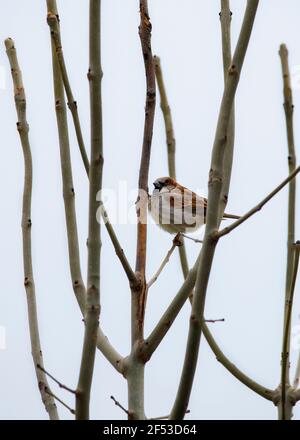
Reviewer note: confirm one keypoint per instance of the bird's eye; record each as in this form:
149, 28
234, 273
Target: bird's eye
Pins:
158, 185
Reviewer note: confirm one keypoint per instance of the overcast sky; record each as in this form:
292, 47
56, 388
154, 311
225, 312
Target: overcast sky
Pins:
248, 276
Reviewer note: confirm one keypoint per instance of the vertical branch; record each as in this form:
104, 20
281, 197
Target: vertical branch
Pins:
289, 110
284, 405
225, 19
135, 365
297, 372
213, 215
145, 37
166, 111
92, 311
297, 375
23, 129
66, 171
171, 147
53, 21
103, 344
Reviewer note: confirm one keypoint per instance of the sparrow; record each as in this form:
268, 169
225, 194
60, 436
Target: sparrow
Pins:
177, 209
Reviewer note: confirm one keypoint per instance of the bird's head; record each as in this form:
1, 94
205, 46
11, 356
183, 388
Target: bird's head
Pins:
164, 182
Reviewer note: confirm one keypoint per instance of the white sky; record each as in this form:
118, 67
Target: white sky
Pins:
247, 280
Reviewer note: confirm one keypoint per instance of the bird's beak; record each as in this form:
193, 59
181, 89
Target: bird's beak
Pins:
157, 185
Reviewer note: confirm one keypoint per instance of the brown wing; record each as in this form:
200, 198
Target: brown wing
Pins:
198, 204
189, 203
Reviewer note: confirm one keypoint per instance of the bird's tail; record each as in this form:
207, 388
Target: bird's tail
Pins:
235, 217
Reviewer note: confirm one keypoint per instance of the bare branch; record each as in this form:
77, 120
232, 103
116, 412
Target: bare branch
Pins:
117, 246
53, 21
289, 110
23, 129
109, 352
225, 19
213, 321
286, 333
135, 374
70, 213
49, 392
119, 405
92, 308
66, 171
142, 206
103, 343
145, 37
235, 371
164, 324
297, 372
213, 215
256, 208
297, 375
61, 385
161, 267
166, 111
195, 240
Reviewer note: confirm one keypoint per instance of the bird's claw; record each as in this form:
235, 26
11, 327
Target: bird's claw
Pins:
178, 240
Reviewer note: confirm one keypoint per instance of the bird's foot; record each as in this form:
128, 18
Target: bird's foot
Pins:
178, 240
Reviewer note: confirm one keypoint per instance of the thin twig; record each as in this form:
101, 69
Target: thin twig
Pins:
23, 129
92, 308
164, 324
161, 267
289, 110
119, 405
213, 216
195, 240
117, 246
72, 411
60, 384
256, 208
214, 320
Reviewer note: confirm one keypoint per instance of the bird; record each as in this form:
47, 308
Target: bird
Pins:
177, 209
